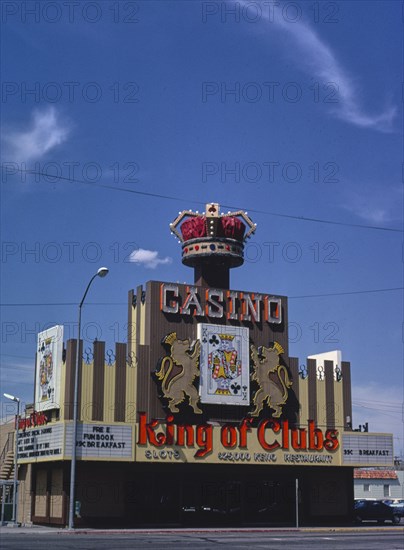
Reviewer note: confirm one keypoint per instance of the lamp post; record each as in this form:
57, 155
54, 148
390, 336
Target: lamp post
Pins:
17, 400
102, 272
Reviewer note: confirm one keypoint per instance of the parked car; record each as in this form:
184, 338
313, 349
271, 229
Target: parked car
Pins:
375, 510
397, 504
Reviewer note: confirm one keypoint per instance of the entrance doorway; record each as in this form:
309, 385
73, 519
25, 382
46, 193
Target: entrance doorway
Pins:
269, 502
211, 502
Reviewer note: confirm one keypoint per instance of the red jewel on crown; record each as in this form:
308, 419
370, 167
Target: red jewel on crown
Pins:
227, 226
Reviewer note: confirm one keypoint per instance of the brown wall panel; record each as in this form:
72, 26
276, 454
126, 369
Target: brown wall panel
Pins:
98, 381
312, 378
150, 298
69, 379
293, 411
130, 311
346, 389
120, 382
144, 382
329, 393
294, 371
136, 332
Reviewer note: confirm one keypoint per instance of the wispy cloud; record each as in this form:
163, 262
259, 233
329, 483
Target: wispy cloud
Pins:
46, 131
375, 205
370, 213
318, 60
16, 372
148, 258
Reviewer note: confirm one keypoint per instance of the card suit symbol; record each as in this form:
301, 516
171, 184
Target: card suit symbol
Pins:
212, 209
236, 388
214, 340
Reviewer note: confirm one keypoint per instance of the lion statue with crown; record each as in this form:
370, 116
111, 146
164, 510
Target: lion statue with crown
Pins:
178, 371
272, 378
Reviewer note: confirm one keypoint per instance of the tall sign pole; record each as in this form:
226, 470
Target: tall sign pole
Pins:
102, 272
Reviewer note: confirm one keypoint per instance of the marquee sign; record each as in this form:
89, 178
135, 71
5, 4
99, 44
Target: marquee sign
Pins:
220, 304
272, 441
41, 443
367, 449
94, 442
101, 441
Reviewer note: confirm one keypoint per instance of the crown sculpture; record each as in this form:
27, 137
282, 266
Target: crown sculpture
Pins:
212, 241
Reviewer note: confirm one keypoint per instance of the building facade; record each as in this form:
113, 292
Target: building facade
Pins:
202, 417
378, 484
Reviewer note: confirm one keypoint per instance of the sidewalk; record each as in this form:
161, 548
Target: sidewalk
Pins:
39, 529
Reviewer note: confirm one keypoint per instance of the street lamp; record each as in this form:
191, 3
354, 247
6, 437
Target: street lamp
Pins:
102, 272
17, 400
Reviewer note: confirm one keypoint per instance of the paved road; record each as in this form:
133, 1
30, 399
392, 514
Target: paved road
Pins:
365, 539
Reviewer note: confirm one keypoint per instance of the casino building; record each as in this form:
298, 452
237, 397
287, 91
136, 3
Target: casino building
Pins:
202, 417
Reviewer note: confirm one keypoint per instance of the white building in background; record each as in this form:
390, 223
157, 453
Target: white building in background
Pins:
378, 484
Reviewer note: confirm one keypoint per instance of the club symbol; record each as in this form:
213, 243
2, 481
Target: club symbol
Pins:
214, 340
320, 372
236, 388
303, 373
88, 356
338, 374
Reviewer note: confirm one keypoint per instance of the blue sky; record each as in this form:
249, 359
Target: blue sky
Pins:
287, 110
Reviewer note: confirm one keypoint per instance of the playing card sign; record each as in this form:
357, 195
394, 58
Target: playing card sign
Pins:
224, 364
48, 368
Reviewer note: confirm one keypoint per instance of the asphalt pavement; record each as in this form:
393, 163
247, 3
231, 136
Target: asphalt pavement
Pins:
361, 537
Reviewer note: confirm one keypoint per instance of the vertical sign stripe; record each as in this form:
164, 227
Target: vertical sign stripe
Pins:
329, 393
312, 379
98, 381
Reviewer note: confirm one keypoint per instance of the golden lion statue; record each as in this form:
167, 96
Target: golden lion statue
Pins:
178, 371
272, 378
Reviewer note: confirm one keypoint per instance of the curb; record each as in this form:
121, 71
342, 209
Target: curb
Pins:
143, 531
